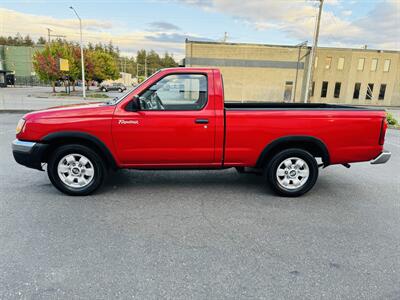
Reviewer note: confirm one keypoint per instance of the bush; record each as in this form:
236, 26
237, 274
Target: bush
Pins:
391, 120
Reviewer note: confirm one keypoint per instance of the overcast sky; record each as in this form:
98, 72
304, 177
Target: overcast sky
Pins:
164, 25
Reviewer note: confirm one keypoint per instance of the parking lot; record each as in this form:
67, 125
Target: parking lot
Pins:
200, 234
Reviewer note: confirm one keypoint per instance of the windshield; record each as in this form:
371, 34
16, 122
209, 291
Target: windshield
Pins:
123, 96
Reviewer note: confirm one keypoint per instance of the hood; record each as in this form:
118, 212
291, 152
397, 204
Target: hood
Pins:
73, 110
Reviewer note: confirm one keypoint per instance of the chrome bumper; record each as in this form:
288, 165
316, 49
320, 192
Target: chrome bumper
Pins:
22, 146
382, 158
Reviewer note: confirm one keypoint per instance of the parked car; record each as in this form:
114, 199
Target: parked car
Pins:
112, 87
178, 119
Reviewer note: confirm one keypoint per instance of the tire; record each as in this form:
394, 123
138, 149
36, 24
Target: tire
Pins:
104, 89
120, 90
291, 172
76, 170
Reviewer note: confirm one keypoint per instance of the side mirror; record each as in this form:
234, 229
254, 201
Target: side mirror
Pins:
134, 104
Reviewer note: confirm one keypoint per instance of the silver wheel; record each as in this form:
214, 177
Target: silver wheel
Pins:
75, 170
292, 173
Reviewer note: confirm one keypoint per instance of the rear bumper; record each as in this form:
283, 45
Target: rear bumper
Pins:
382, 158
29, 154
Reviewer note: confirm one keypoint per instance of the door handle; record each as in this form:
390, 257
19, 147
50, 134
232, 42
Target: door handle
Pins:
201, 121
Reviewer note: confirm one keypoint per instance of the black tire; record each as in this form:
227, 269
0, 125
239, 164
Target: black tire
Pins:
120, 90
271, 174
98, 166
104, 89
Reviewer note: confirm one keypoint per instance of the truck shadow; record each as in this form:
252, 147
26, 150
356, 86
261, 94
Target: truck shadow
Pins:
200, 180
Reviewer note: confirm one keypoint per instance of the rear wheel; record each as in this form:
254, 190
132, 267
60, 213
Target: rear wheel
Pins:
292, 172
76, 170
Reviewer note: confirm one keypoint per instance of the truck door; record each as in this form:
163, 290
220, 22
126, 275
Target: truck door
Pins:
174, 126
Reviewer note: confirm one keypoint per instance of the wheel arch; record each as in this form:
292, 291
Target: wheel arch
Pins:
56, 139
309, 143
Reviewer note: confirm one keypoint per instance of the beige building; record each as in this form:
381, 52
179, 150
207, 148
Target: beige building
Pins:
255, 72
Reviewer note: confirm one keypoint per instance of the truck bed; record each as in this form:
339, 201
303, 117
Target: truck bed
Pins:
291, 106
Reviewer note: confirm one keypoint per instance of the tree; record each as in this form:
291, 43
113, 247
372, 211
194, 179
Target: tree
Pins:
45, 65
46, 62
100, 66
41, 41
28, 41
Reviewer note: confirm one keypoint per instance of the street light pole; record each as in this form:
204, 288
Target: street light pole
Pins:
82, 58
301, 45
313, 51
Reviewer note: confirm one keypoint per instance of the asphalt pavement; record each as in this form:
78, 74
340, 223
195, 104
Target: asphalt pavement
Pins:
35, 98
200, 234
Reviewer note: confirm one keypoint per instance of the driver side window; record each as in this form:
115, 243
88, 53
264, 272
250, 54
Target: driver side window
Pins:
176, 92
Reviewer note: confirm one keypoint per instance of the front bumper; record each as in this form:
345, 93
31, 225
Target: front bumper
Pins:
29, 154
382, 158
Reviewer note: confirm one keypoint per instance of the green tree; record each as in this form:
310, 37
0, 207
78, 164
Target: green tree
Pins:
100, 66
41, 41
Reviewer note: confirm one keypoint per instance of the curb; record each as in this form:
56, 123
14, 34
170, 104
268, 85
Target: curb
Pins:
15, 111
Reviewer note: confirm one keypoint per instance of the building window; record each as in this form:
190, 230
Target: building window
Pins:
374, 64
360, 65
328, 61
316, 62
338, 85
312, 89
340, 65
386, 66
324, 89
287, 95
357, 88
382, 92
370, 90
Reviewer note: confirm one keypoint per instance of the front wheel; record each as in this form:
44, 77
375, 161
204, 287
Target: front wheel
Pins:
292, 172
76, 170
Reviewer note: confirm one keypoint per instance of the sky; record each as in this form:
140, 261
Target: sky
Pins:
163, 25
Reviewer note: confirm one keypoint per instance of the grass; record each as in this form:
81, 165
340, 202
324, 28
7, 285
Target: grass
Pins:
97, 95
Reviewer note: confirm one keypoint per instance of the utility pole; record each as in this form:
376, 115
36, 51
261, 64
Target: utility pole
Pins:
145, 67
313, 52
49, 35
82, 59
225, 37
301, 45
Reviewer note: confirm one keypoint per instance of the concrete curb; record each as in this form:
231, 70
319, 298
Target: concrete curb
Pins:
15, 111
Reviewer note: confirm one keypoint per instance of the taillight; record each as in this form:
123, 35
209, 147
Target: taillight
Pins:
384, 126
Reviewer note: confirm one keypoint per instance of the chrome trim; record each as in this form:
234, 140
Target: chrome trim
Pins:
382, 158
22, 146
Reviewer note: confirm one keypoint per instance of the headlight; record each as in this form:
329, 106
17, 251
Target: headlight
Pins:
20, 126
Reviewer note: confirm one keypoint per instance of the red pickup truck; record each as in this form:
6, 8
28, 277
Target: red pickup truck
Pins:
178, 119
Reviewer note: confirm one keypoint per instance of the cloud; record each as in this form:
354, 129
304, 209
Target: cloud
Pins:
296, 20
163, 37
163, 26
347, 13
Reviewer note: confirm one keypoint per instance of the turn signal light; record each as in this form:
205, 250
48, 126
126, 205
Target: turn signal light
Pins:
20, 126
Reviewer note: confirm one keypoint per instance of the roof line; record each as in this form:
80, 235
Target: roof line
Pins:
288, 46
